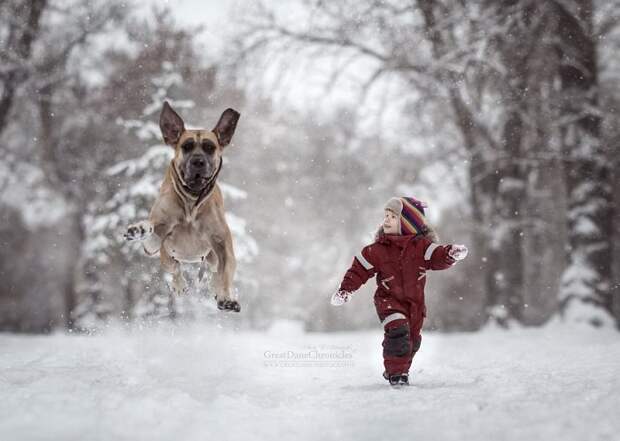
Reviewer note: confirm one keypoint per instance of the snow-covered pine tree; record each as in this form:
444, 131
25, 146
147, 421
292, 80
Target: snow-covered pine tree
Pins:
585, 294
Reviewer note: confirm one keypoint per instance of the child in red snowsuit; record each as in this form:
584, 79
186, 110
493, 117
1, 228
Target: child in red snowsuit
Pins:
404, 249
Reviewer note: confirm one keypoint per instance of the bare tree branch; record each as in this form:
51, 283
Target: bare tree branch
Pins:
23, 48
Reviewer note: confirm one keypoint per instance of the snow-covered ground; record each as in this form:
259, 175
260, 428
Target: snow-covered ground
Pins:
207, 383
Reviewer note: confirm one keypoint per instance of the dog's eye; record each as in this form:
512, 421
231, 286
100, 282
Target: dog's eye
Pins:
208, 147
187, 146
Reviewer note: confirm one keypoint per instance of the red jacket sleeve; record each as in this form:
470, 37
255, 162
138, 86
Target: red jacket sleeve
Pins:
360, 271
436, 256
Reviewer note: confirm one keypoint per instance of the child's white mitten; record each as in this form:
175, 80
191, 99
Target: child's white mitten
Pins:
458, 252
340, 298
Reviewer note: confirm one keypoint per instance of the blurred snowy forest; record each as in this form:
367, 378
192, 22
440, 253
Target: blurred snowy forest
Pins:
502, 114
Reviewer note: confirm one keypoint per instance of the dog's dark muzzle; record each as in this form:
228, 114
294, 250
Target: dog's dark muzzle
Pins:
198, 171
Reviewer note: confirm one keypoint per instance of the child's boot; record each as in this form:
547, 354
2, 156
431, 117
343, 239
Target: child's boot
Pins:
397, 379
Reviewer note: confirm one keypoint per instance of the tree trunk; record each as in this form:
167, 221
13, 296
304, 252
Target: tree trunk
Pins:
585, 293
517, 51
50, 163
483, 181
508, 245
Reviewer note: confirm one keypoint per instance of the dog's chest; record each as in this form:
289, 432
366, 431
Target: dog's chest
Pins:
188, 242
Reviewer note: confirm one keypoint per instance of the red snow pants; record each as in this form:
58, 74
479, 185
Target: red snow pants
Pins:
402, 322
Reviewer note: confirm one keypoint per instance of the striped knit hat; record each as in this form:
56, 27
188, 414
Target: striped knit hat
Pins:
412, 219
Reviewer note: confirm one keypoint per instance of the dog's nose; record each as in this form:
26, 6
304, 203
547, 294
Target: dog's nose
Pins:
197, 162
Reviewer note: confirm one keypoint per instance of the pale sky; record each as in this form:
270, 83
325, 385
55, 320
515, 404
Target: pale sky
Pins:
213, 15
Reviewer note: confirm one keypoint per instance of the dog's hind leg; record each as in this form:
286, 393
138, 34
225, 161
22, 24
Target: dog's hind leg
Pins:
223, 278
178, 285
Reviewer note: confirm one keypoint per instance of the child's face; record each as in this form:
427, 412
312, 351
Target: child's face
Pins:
390, 222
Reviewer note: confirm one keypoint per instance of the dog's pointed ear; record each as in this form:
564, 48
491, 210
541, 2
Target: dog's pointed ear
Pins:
225, 127
171, 125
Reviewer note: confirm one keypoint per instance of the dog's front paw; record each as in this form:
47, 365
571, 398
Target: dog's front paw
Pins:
139, 231
228, 305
